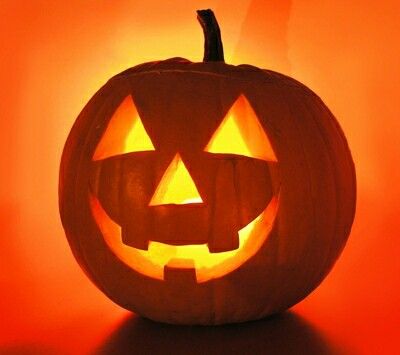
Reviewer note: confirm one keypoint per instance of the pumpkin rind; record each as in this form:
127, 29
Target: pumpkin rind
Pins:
315, 178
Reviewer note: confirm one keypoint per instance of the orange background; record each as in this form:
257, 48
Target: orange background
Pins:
55, 55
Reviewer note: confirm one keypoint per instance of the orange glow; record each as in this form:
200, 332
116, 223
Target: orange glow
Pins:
176, 186
125, 133
56, 54
241, 133
207, 265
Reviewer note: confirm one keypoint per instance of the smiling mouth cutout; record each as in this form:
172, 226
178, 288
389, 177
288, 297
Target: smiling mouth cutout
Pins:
168, 229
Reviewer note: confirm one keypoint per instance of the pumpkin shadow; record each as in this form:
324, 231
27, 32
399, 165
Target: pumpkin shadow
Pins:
282, 334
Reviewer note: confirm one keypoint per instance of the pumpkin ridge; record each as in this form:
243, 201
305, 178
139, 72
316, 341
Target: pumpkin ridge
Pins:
330, 148
295, 123
332, 172
71, 233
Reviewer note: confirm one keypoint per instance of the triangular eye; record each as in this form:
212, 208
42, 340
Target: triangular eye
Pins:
176, 186
241, 133
125, 133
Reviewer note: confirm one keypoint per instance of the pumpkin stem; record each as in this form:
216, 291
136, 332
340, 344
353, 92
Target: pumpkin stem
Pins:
213, 48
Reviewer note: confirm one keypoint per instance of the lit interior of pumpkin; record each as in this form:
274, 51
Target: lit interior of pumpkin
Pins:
176, 186
125, 133
240, 133
207, 265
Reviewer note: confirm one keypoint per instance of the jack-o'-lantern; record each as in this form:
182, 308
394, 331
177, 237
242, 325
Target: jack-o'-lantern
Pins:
206, 193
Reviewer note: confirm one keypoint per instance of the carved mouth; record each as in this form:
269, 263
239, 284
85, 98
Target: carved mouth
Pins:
162, 259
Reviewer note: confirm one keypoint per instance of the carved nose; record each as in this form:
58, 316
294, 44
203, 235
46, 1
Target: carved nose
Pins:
176, 186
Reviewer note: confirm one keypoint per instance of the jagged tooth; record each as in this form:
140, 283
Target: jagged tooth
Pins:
223, 240
179, 276
134, 237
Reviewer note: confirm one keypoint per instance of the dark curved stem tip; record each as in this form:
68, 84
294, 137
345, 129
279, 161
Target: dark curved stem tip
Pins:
213, 48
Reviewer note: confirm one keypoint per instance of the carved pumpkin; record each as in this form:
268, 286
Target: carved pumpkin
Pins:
206, 193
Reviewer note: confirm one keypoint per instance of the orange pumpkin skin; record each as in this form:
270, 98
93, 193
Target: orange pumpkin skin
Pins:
313, 181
